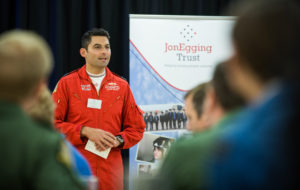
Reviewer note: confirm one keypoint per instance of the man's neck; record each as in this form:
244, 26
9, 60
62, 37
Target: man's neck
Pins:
95, 70
254, 90
268, 90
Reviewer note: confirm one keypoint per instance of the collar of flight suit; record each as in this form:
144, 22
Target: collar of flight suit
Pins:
83, 74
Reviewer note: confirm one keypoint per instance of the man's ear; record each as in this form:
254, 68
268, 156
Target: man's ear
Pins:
83, 52
207, 102
210, 100
213, 97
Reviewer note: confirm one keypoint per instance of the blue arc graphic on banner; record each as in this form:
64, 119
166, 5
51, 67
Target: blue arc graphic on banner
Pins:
147, 86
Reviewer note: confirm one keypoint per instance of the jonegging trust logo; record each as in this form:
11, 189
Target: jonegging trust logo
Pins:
188, 33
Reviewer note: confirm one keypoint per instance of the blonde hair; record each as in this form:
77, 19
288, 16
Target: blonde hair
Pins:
25, 59
43, 109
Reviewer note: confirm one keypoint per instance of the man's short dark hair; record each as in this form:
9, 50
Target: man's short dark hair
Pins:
266, 36
226, 96
198, 96
87, 36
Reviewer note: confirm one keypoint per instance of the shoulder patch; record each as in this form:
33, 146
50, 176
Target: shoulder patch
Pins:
64, 155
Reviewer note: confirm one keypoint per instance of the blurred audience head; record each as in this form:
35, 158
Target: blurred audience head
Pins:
226, 97
266, 41
220, 97
25, 63
194, 99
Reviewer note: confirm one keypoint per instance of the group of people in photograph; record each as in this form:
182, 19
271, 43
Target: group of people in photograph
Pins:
165, 120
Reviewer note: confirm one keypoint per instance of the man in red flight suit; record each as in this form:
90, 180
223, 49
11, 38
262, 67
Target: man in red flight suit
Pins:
93, 104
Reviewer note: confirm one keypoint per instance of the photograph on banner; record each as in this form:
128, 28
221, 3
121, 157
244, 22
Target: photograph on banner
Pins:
152, 149
164, 117
144, 170
142, 153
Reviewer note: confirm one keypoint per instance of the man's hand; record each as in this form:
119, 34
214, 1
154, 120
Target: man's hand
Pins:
117, 144
103, 139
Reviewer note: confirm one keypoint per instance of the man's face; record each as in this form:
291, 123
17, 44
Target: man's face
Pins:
157, 153
98, 52
194, 123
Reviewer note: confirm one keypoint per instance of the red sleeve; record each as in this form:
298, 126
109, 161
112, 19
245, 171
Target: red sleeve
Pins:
133, 122
61, 98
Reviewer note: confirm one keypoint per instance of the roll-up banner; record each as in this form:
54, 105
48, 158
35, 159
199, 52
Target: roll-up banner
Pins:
168, 56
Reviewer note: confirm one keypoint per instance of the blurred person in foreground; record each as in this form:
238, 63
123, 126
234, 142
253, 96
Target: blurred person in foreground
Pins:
185, 166
42, 111
261, 151
32, 157
96, 106
210, 108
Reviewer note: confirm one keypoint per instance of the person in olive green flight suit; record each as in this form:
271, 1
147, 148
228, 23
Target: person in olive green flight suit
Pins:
32, 157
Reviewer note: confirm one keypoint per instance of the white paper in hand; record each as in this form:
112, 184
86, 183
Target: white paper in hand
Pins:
90, 146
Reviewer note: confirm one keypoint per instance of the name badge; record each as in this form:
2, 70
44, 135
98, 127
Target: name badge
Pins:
93, 103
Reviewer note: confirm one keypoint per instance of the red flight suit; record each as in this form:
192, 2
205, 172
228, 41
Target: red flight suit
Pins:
118, 107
